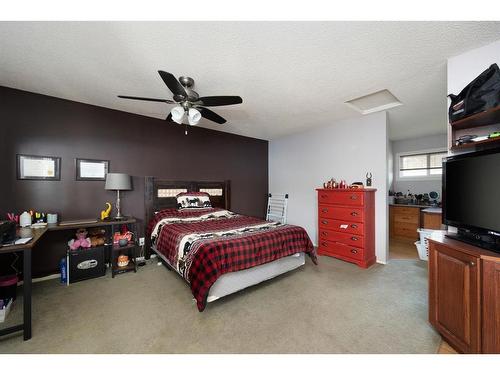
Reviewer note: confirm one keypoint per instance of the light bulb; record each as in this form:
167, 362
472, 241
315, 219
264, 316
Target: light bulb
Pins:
177, 114
194, 116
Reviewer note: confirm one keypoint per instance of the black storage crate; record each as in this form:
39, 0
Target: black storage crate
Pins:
86, 264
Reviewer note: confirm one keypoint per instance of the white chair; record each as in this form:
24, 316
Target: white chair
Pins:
277, 208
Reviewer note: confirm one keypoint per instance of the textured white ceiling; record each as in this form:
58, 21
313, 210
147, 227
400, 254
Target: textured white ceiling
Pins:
291, 75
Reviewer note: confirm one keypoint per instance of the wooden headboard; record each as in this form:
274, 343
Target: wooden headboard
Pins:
160, 194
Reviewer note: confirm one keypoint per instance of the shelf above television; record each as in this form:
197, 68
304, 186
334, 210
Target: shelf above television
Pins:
489, 117
479, 143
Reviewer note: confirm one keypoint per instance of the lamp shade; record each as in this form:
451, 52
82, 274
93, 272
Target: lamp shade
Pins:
118, 181
194, 116
177, 114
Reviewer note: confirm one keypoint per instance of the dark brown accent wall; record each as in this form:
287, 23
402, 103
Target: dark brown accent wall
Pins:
137, 145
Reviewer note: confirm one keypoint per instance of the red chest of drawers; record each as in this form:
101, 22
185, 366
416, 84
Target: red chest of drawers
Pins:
346, 225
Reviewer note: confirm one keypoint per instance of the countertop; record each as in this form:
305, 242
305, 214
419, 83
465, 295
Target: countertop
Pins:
426, 208
412, 205
433, 210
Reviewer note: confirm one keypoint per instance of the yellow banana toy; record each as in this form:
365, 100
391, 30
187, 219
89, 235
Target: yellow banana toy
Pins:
105, 213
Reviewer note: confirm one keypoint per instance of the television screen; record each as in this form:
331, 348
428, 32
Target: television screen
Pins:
471, 190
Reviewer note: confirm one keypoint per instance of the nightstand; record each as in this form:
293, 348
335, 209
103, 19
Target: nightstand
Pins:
131, 251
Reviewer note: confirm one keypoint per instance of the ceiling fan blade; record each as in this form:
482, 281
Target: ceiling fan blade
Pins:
214, 101
172, 83
147, 99
211, 115
169, 118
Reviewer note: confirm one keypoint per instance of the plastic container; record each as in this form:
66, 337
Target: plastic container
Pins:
8, 287
423, 244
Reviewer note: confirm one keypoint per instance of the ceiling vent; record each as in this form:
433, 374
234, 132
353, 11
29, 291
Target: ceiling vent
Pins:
375, 102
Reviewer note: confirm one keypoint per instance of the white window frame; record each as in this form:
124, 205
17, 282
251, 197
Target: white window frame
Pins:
419, 152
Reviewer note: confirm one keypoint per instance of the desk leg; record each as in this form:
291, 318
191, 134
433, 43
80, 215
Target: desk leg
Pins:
27, 294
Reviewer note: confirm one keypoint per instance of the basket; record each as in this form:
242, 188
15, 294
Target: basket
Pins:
423, 244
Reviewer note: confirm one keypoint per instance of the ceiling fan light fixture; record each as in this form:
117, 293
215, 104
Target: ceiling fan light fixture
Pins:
194, 116
177, 114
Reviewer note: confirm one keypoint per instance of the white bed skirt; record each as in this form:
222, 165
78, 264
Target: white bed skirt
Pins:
234, 281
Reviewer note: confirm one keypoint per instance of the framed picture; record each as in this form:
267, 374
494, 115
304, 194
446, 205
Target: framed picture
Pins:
91, 169
33, 167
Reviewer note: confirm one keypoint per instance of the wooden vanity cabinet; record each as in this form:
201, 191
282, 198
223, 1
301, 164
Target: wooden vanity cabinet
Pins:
404, 222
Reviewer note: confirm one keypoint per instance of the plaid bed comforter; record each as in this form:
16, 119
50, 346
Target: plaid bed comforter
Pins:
204, 244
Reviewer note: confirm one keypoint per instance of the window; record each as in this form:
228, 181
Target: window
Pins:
422, 165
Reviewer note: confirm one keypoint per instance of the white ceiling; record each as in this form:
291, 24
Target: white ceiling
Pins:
291, 75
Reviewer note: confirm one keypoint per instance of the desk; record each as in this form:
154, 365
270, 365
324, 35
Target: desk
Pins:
36, 235
26, 250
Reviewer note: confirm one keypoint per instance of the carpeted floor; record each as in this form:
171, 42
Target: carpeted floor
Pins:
333, 308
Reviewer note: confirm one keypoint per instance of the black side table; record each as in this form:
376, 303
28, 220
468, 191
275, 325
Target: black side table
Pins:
130, 249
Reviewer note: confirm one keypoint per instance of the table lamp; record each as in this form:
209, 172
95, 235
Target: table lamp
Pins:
118, 182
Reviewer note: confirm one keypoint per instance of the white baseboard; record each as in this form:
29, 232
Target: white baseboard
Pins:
45, 278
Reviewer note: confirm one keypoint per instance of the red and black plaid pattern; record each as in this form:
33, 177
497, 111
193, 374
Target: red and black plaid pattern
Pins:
209, 259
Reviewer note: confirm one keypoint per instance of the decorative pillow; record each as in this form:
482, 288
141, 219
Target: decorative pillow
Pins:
193, 200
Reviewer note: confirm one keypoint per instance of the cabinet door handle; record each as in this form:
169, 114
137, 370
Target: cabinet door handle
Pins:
354, 238
354, 226
354, 213
354, 251
472, 264
324, 221
324, 209
354, 197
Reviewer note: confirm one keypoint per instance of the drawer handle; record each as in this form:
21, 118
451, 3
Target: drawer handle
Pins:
354, 213
354, 238
324, 221
324, 244
472, 264
354, 226
324, 196
324, 233
354, 251
354, 197
324, 209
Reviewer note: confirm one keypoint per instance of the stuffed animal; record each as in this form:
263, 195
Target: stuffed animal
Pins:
81, 240
97, 236
105, 213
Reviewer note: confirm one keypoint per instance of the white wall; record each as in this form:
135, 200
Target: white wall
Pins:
300, 163
417, 144
463, 68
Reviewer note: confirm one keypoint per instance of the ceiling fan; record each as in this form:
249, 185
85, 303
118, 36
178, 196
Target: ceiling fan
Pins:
190, 104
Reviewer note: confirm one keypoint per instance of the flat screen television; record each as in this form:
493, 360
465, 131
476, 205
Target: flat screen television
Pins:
471, 197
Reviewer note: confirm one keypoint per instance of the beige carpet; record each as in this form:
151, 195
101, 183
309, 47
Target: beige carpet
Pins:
333, 308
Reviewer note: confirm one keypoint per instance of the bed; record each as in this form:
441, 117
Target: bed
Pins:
218, 252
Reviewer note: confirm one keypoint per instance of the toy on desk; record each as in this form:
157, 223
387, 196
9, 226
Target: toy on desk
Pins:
81, 240
105, 213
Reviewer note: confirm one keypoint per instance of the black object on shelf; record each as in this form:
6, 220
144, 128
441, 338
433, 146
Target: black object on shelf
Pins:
482, 94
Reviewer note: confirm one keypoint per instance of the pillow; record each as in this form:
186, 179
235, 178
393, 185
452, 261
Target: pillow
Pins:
193, 200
